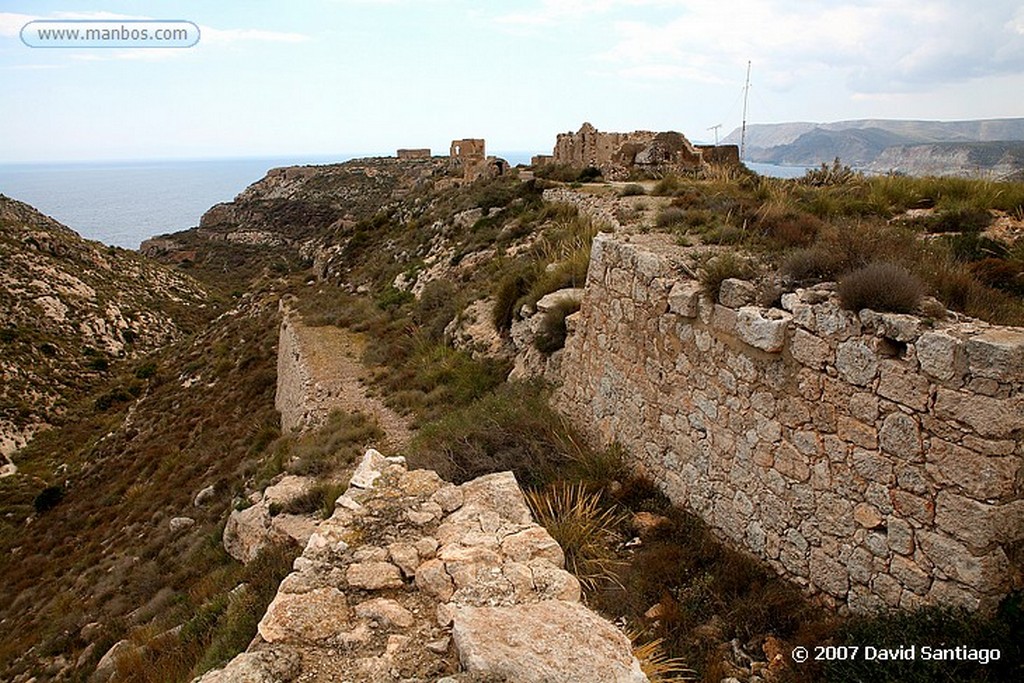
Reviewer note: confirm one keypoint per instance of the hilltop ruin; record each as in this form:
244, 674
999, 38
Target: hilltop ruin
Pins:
619, 154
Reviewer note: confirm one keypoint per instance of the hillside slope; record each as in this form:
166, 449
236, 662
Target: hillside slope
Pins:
69, 308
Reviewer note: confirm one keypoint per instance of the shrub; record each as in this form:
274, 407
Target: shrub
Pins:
789, 228
836, 174
961, 219
511, 288
319, 499
632, 190
881, 286
48, 499
589, 174
551, 332
670, 217
586, 530
1000, 274
721, 268
513, 428
970, 246
813, 263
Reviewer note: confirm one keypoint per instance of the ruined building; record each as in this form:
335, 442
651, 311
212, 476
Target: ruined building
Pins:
617, 154
468, 159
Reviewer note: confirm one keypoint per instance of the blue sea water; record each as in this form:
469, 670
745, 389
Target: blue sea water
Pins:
123, 203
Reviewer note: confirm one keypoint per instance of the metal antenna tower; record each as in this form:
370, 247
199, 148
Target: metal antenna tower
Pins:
743, 130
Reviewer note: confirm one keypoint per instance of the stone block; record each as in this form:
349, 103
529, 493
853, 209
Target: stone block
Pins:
992, 418
872, 465
898, 383
791, 463
735, 293
373, 575
987, 572
909, 506
305, 617
941, 355
867, 516
908, 573
856, 362
810, 350
765, 330
723, 319
546, 641
980, 476
856, 432
900, 536
901, 435
997, 354
684, 298
977, 524
828, 574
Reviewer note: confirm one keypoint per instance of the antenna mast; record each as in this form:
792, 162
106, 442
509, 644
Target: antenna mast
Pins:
715, 128
743, 130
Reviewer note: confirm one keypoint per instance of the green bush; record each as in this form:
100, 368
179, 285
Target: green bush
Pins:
881, 286
632, 190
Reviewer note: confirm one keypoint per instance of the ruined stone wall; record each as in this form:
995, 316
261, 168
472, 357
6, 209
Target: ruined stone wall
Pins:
419, 153
872, 458
292, 399
617, 153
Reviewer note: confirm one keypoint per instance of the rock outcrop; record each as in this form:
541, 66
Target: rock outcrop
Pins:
417, 579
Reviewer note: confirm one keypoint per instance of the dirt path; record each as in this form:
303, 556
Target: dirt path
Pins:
338, 376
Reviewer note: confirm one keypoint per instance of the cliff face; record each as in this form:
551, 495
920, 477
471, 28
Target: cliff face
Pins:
69, 308
989, 159
988, 148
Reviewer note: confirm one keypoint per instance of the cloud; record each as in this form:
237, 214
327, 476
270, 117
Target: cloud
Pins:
217, 36
873, 46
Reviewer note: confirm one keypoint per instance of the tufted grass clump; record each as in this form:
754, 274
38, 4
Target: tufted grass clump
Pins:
881, 286
657, 664
585, 528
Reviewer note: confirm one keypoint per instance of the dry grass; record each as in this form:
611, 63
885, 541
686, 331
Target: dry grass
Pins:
585, 528
880, 286
657, 665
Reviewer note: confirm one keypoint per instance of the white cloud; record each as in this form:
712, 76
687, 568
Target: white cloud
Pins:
215, 36
11, 23
875, 45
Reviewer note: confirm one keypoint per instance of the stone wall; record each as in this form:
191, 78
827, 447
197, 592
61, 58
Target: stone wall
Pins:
874, 459
618, 153
419, 153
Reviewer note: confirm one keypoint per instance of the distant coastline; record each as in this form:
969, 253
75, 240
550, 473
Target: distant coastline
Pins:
123, 203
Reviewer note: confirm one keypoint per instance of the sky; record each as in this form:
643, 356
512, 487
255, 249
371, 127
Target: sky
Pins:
321, 77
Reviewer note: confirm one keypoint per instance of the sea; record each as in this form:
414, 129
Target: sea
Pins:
124, 203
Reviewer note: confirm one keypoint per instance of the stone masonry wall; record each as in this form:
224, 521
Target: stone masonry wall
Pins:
872, 458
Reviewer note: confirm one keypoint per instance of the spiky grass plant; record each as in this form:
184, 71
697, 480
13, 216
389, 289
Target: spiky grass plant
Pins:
657, 665
587, 530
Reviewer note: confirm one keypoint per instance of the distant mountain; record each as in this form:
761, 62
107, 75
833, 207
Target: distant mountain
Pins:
878, 144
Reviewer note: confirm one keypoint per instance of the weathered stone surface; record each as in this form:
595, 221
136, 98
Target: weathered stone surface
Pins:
901, 435
980, 476
374, 575
431, 578
684, 298
248, 531
320, 614
810, 350
570, 296
990, 417
179, 524
386, 612
265, 666
205, 496
543, 642
997, 354
898, 383
941, 355
735, 293
856, 362
762, 330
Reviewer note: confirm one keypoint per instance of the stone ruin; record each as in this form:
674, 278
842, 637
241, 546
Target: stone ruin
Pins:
420, 153
469, 161
619, 154
418, 580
